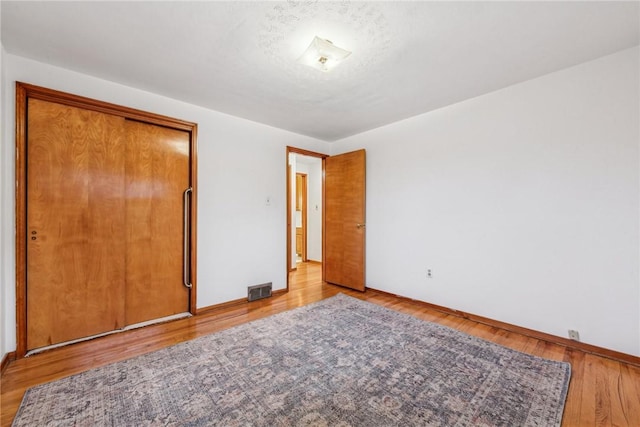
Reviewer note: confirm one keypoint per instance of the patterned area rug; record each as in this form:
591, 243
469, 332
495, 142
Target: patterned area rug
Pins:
339, 362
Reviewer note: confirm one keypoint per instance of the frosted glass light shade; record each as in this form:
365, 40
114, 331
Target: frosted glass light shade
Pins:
323, 55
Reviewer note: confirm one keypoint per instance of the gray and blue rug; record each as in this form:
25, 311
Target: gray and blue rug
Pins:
338, 362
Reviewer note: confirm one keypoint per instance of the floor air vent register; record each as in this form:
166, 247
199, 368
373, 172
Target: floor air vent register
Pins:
259, 291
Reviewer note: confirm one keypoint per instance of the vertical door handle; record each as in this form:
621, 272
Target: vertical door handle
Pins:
185, 244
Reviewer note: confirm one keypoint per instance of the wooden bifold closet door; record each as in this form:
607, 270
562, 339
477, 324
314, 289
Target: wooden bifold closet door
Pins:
105, 209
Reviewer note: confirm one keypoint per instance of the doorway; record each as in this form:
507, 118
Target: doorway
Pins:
339, 209
304, 208
301, 217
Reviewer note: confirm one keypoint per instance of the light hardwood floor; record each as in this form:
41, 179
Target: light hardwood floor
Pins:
602, 392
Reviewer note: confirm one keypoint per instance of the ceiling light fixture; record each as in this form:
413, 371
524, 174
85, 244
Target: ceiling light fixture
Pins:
323, 55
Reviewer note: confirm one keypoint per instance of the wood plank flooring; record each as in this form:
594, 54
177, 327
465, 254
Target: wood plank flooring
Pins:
602, 392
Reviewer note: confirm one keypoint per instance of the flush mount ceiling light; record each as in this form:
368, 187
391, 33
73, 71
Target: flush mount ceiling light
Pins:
323, 55
289, 26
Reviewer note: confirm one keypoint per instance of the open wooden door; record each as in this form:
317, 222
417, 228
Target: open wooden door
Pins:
344, 221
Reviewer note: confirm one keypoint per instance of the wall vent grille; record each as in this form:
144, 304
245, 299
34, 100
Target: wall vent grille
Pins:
259, 291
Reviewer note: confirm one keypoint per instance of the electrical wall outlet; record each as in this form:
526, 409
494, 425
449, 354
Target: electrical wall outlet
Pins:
574, 335
429, 274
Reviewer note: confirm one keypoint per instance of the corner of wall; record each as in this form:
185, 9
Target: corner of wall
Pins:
541, 181
3, 282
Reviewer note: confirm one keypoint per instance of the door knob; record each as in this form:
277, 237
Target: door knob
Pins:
360, 225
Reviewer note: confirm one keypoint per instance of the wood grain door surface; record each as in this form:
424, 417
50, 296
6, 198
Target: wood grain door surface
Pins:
157, 171
75, 223
301, 205
344, 253
104, 222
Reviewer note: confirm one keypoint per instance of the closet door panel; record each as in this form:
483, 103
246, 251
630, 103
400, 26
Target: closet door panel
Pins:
75, 223
157, 173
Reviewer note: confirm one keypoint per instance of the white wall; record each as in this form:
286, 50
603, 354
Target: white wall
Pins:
241, 240
3, 282
312, 166
524, 203
292, 179
314, 215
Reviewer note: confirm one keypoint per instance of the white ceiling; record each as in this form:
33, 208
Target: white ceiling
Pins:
240, 57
